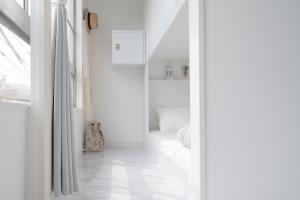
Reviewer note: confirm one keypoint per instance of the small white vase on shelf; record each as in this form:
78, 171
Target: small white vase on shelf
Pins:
169, 73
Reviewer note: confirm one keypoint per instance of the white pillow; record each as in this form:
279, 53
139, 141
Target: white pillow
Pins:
172, 118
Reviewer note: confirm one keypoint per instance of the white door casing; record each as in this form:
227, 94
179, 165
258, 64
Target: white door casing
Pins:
197, 99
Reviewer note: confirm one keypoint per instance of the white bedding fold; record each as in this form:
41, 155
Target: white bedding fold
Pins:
167, 144
184, 136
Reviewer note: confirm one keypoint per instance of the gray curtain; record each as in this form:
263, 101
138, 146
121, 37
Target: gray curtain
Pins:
65, 172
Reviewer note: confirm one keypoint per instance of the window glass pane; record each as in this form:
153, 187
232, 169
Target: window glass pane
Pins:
14, 66
20, 2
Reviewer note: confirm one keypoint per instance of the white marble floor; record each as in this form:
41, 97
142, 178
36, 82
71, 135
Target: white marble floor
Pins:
124, 174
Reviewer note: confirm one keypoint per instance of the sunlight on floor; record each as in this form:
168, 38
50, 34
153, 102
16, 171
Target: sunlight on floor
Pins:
124, 174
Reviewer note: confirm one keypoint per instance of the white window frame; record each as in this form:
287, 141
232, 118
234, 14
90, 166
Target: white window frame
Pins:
15, 18
25, 5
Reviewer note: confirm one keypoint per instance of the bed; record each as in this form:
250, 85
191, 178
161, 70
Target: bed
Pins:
171, 155
168, 145
169, 114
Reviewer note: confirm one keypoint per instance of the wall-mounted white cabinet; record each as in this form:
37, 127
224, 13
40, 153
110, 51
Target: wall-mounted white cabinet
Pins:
128, 47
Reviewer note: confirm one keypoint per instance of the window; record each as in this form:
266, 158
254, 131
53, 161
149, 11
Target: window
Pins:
25, 4
21, 3
14, 66
14, 51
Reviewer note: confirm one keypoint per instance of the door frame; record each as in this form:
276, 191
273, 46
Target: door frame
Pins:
198, 174
38, 179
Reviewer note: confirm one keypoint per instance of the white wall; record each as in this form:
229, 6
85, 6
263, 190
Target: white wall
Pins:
166, 93
117, 93
158, 15
174, 44
253, 95
12, 150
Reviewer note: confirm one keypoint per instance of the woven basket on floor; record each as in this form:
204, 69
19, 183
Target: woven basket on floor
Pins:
93, 139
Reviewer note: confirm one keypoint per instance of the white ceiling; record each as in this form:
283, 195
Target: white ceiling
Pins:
175, 43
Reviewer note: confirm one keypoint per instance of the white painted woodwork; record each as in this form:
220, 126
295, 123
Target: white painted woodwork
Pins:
13, 16
128, 47
38, 136
198, 100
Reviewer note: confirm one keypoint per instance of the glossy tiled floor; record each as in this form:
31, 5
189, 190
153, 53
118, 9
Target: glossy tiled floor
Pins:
124, 174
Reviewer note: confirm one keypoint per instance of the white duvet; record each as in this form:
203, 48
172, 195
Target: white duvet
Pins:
184, 136
167, 144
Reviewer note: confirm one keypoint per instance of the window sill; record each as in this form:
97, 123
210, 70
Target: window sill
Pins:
17, 106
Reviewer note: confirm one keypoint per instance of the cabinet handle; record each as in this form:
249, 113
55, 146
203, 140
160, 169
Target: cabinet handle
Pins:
118, 46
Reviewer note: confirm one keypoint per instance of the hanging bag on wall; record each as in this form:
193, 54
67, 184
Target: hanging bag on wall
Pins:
94, 140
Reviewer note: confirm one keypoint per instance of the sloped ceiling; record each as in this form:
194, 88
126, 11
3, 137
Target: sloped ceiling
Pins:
175, 43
